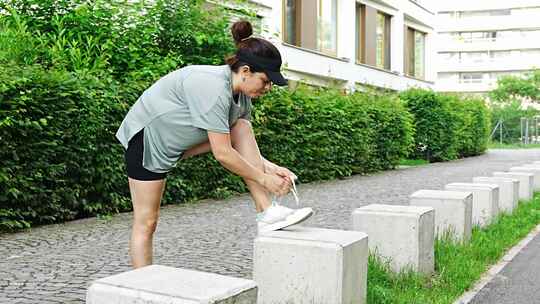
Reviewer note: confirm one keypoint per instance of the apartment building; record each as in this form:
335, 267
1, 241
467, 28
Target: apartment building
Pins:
480, 41
352, 43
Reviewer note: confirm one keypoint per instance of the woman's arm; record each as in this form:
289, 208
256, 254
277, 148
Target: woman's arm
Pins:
196, 150
221, 147
269, 167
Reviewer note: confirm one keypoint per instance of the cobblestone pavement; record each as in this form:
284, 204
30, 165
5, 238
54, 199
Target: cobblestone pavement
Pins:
56, 263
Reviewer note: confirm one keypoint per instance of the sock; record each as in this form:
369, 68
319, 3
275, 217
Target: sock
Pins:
260, 215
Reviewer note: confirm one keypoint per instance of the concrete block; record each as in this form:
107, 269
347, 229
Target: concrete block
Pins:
157, 284
311, 265
403, 234
526, 182
530, 169
508, 191
453, 211
485, 205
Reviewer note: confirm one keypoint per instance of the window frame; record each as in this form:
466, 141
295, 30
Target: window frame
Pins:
422, 74
361, 33
468, 77
334, 4
299, 27
410, 53
386, 47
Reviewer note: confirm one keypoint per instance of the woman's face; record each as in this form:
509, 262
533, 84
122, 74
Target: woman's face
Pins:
255, 84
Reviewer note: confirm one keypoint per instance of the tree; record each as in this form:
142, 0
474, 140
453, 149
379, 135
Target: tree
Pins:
512, 88
507, 103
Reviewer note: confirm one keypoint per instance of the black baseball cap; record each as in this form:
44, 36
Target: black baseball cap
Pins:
270, 66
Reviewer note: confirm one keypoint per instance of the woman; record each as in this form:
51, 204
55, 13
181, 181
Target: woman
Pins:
195, 110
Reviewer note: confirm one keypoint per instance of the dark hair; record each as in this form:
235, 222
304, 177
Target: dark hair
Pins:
241, 30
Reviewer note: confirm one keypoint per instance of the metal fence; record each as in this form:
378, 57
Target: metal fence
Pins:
523, 130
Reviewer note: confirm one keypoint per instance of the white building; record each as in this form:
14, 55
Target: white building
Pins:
353, 43
481, 40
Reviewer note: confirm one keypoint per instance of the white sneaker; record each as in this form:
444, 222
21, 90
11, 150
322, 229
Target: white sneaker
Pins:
278, 217
282, 209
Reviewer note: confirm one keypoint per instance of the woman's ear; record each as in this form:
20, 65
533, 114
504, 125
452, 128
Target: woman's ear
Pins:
245, 70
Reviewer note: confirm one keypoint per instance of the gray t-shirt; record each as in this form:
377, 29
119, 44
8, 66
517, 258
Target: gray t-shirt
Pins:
177, 111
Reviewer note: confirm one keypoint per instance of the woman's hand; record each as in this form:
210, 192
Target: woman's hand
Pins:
272, 168
276, 184
285, 173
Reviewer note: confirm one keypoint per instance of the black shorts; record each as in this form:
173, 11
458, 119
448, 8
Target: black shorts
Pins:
134, 160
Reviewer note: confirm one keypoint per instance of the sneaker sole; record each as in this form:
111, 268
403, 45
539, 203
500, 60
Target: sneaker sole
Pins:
290, 221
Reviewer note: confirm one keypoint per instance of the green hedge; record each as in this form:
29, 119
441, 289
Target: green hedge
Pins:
473, 125
70, 70
323, 134
447, 126
61, 160
58, 157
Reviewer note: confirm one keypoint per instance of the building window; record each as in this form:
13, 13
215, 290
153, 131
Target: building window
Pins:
419, 54
311, 24
472, 37
372, 37
292, 22
383, 41
327, 26
450, 57
475, 14
415, 53
488, 13
361, 33
470, 77
473, 57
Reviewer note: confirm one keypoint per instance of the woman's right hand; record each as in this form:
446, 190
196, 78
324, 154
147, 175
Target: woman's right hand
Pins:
276, 184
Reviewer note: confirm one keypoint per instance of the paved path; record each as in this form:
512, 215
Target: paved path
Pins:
518, 282
56, 263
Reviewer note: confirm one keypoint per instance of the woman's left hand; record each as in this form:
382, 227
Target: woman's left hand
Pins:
285, 173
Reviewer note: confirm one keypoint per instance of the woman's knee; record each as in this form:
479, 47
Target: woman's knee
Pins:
145, 226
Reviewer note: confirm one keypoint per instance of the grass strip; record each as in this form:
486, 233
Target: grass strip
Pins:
457, 266
495, 145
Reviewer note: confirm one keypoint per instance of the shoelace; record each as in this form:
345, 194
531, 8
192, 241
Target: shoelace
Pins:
294, 192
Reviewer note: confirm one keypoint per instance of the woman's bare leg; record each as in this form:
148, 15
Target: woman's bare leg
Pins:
146, 198
243, 141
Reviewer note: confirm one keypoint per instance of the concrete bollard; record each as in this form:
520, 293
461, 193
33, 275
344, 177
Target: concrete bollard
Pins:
526, 182
157, 284
453, 211
402, 234
311, 265
485, 205
530, 169
508, 191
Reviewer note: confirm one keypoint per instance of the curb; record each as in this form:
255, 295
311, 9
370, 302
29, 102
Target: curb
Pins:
468, 296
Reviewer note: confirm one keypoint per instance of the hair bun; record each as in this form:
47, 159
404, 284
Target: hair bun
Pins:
241, 30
